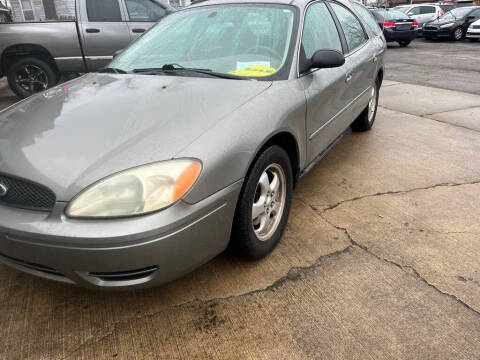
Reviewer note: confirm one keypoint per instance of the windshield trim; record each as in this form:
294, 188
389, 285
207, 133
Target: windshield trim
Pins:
284, 72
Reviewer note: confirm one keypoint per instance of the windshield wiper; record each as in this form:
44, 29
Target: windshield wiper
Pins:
112, 70
175, 68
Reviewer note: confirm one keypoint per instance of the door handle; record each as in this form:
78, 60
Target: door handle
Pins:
138, 31
349, 77
91, 31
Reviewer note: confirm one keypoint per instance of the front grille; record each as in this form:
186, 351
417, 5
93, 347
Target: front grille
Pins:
26, 195
32, 266
476, 27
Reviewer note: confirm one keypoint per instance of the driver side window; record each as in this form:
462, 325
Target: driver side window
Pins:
319, 31
414, 11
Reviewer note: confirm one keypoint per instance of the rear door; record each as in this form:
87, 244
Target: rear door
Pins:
142, 15
427, 13
324, 88
104, 30
360, 59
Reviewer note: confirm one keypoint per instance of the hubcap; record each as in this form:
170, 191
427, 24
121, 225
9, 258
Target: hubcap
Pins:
31, 78
372, 104
269, 202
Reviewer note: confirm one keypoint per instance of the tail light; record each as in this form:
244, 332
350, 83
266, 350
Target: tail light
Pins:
415, 24
441, 13
388, 24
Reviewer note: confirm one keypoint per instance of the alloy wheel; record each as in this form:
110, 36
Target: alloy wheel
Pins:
269, 202
372, 104
458, 34
31, 78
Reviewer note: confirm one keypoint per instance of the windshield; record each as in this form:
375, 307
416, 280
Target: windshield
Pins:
457, 13
251, 41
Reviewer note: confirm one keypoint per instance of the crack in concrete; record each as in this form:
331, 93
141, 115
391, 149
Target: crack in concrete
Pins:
293, 274
403, 267
393, 192
426, 116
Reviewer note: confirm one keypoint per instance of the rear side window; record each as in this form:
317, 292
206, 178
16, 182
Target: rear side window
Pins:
368, 18
414, 11
352, 28
144, 10
103, 11
319, 31
427, 10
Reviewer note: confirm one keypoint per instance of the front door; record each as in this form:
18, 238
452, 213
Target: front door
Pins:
104, 31
324, 88
142, 15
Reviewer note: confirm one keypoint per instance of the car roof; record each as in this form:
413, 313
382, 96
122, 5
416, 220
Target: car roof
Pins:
298, 3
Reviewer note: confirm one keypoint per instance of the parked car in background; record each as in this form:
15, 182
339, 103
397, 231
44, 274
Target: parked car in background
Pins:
473, 32
422, 13
397, 26
33, 55
187, 143
452, 25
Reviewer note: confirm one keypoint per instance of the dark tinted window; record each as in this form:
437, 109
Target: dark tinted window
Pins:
427, 9
319, 31
144, 10
367, 16
352, 28
103, 10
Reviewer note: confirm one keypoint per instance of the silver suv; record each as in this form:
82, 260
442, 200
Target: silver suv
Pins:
422, 13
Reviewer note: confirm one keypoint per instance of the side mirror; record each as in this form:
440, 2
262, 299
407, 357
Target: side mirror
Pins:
323, 59
116, 53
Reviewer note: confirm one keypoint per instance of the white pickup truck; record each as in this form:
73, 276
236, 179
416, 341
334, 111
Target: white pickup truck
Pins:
33, 55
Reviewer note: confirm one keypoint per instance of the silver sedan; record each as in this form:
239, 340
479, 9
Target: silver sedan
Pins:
189, 143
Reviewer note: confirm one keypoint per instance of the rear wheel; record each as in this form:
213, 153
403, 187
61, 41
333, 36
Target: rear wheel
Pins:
263, 205
404, 43
30, 75
458, 34
366, 119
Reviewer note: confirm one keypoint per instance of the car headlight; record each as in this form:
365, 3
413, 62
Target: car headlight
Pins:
447, 25
137, 191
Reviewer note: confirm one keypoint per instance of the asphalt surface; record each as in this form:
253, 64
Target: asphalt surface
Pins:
379, 261
443, 64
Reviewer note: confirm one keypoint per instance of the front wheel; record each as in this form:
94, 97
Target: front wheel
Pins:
30, 75
404, 43
366, 119
264, 205
458, 34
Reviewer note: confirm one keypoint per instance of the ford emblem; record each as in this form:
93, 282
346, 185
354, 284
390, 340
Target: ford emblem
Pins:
3, 190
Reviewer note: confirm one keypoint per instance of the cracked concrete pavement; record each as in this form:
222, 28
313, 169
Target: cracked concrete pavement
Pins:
380, 260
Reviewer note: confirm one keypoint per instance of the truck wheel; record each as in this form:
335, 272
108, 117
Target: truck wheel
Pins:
30, 75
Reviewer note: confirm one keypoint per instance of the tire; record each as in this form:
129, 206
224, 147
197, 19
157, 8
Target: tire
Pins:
404, 43
457, 34
29, 75
365, 120
247, 239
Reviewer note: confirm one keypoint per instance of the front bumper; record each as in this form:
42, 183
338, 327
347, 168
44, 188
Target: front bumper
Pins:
118, 253
473, 34
438, 33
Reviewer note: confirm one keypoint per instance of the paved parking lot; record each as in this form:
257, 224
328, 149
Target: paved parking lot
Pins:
380, 260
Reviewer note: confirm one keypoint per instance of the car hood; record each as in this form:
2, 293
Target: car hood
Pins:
77, 133
443, 21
